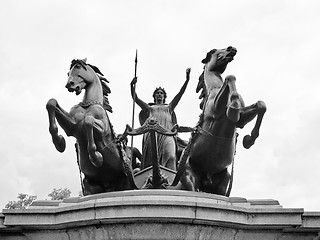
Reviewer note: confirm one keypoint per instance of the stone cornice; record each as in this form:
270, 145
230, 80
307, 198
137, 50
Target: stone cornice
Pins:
161, 207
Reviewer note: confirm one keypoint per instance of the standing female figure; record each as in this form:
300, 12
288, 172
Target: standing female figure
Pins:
164, 113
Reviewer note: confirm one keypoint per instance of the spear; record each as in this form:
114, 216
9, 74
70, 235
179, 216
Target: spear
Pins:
134, 99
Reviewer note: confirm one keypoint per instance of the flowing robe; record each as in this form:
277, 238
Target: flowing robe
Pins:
166, 145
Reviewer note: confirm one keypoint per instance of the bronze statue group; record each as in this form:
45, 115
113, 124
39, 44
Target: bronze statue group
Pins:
201, 164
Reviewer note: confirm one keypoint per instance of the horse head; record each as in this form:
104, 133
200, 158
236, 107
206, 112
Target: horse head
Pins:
218, 59
80, 75
210, 80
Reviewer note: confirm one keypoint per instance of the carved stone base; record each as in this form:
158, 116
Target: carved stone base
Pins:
158, 214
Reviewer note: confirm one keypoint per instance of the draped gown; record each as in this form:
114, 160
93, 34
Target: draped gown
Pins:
166, 145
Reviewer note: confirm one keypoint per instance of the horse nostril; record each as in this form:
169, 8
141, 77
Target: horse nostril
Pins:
229, 48
69, 84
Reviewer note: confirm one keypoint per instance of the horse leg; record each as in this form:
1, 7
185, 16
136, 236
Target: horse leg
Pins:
248, 114
216, 183
91, 187
65, 121
91, 124
234, 108
190, 180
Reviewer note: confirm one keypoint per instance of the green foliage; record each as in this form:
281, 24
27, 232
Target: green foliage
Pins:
60, 194
24, 200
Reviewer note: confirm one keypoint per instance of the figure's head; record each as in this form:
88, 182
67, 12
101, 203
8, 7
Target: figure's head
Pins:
159, 95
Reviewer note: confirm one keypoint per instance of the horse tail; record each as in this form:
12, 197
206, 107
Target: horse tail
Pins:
232, 170
182, 167
127, 167
231, 180
129, 173
78, 162
183, 161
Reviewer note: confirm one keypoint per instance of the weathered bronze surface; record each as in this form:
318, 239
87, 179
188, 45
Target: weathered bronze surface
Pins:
211, 149
104, 159
101, 159
152, 127
164, 114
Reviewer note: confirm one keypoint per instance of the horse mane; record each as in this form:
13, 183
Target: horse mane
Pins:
105, 88
201, 86
208, 56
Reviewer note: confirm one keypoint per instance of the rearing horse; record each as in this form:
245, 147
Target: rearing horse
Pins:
101, 159
211, 149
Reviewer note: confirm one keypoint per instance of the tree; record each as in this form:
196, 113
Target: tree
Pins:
60, 194
24, 200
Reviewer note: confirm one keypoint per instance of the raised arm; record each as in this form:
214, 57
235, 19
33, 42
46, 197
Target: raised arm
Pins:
134, 95
177, 98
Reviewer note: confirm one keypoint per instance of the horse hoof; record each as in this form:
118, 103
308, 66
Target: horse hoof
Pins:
97, 159
233, 114
60, 143
247, 142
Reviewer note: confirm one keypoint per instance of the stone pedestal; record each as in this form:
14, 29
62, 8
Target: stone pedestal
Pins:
158, 214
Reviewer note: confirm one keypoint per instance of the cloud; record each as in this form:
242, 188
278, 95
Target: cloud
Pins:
278, 48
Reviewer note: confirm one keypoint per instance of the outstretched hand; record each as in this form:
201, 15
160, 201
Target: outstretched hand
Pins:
188, 70
134, 81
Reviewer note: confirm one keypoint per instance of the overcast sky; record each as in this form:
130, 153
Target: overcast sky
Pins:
278, 46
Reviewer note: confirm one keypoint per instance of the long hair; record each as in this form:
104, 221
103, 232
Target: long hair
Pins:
164, 92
